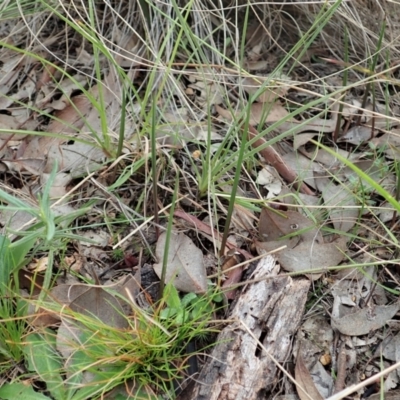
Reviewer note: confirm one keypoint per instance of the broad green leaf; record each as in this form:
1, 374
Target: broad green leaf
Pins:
168, 312
43, 358
98, 380
188, 298
6, 264
20, 249
172, 297
12, 391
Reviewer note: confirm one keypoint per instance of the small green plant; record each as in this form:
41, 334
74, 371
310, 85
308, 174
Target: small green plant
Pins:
191, 307
12, 329
149, 352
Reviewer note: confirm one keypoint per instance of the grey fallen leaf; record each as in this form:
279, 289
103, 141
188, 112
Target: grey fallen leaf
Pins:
185, 266
357, 135
389, 143
303, 166
365, 320
303, 139
341, 202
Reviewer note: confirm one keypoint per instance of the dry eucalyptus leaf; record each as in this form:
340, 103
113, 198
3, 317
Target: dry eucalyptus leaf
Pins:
365, 320
303, 257
185, 266
98, 303
305, 386
341, 202
275, 224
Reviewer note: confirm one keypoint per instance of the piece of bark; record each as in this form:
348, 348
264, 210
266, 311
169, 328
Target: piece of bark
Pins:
238, 369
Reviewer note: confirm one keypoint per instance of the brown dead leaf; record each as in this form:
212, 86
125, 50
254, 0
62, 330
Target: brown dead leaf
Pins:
305, 385
185, 267
97, 302
275, 224
303, 257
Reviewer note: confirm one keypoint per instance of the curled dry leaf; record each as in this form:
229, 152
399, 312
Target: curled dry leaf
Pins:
185, 267
269, 178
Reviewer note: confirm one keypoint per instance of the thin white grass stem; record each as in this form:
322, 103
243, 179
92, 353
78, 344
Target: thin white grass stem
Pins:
346, 392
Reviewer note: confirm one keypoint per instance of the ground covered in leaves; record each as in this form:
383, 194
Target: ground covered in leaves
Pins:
189, 187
